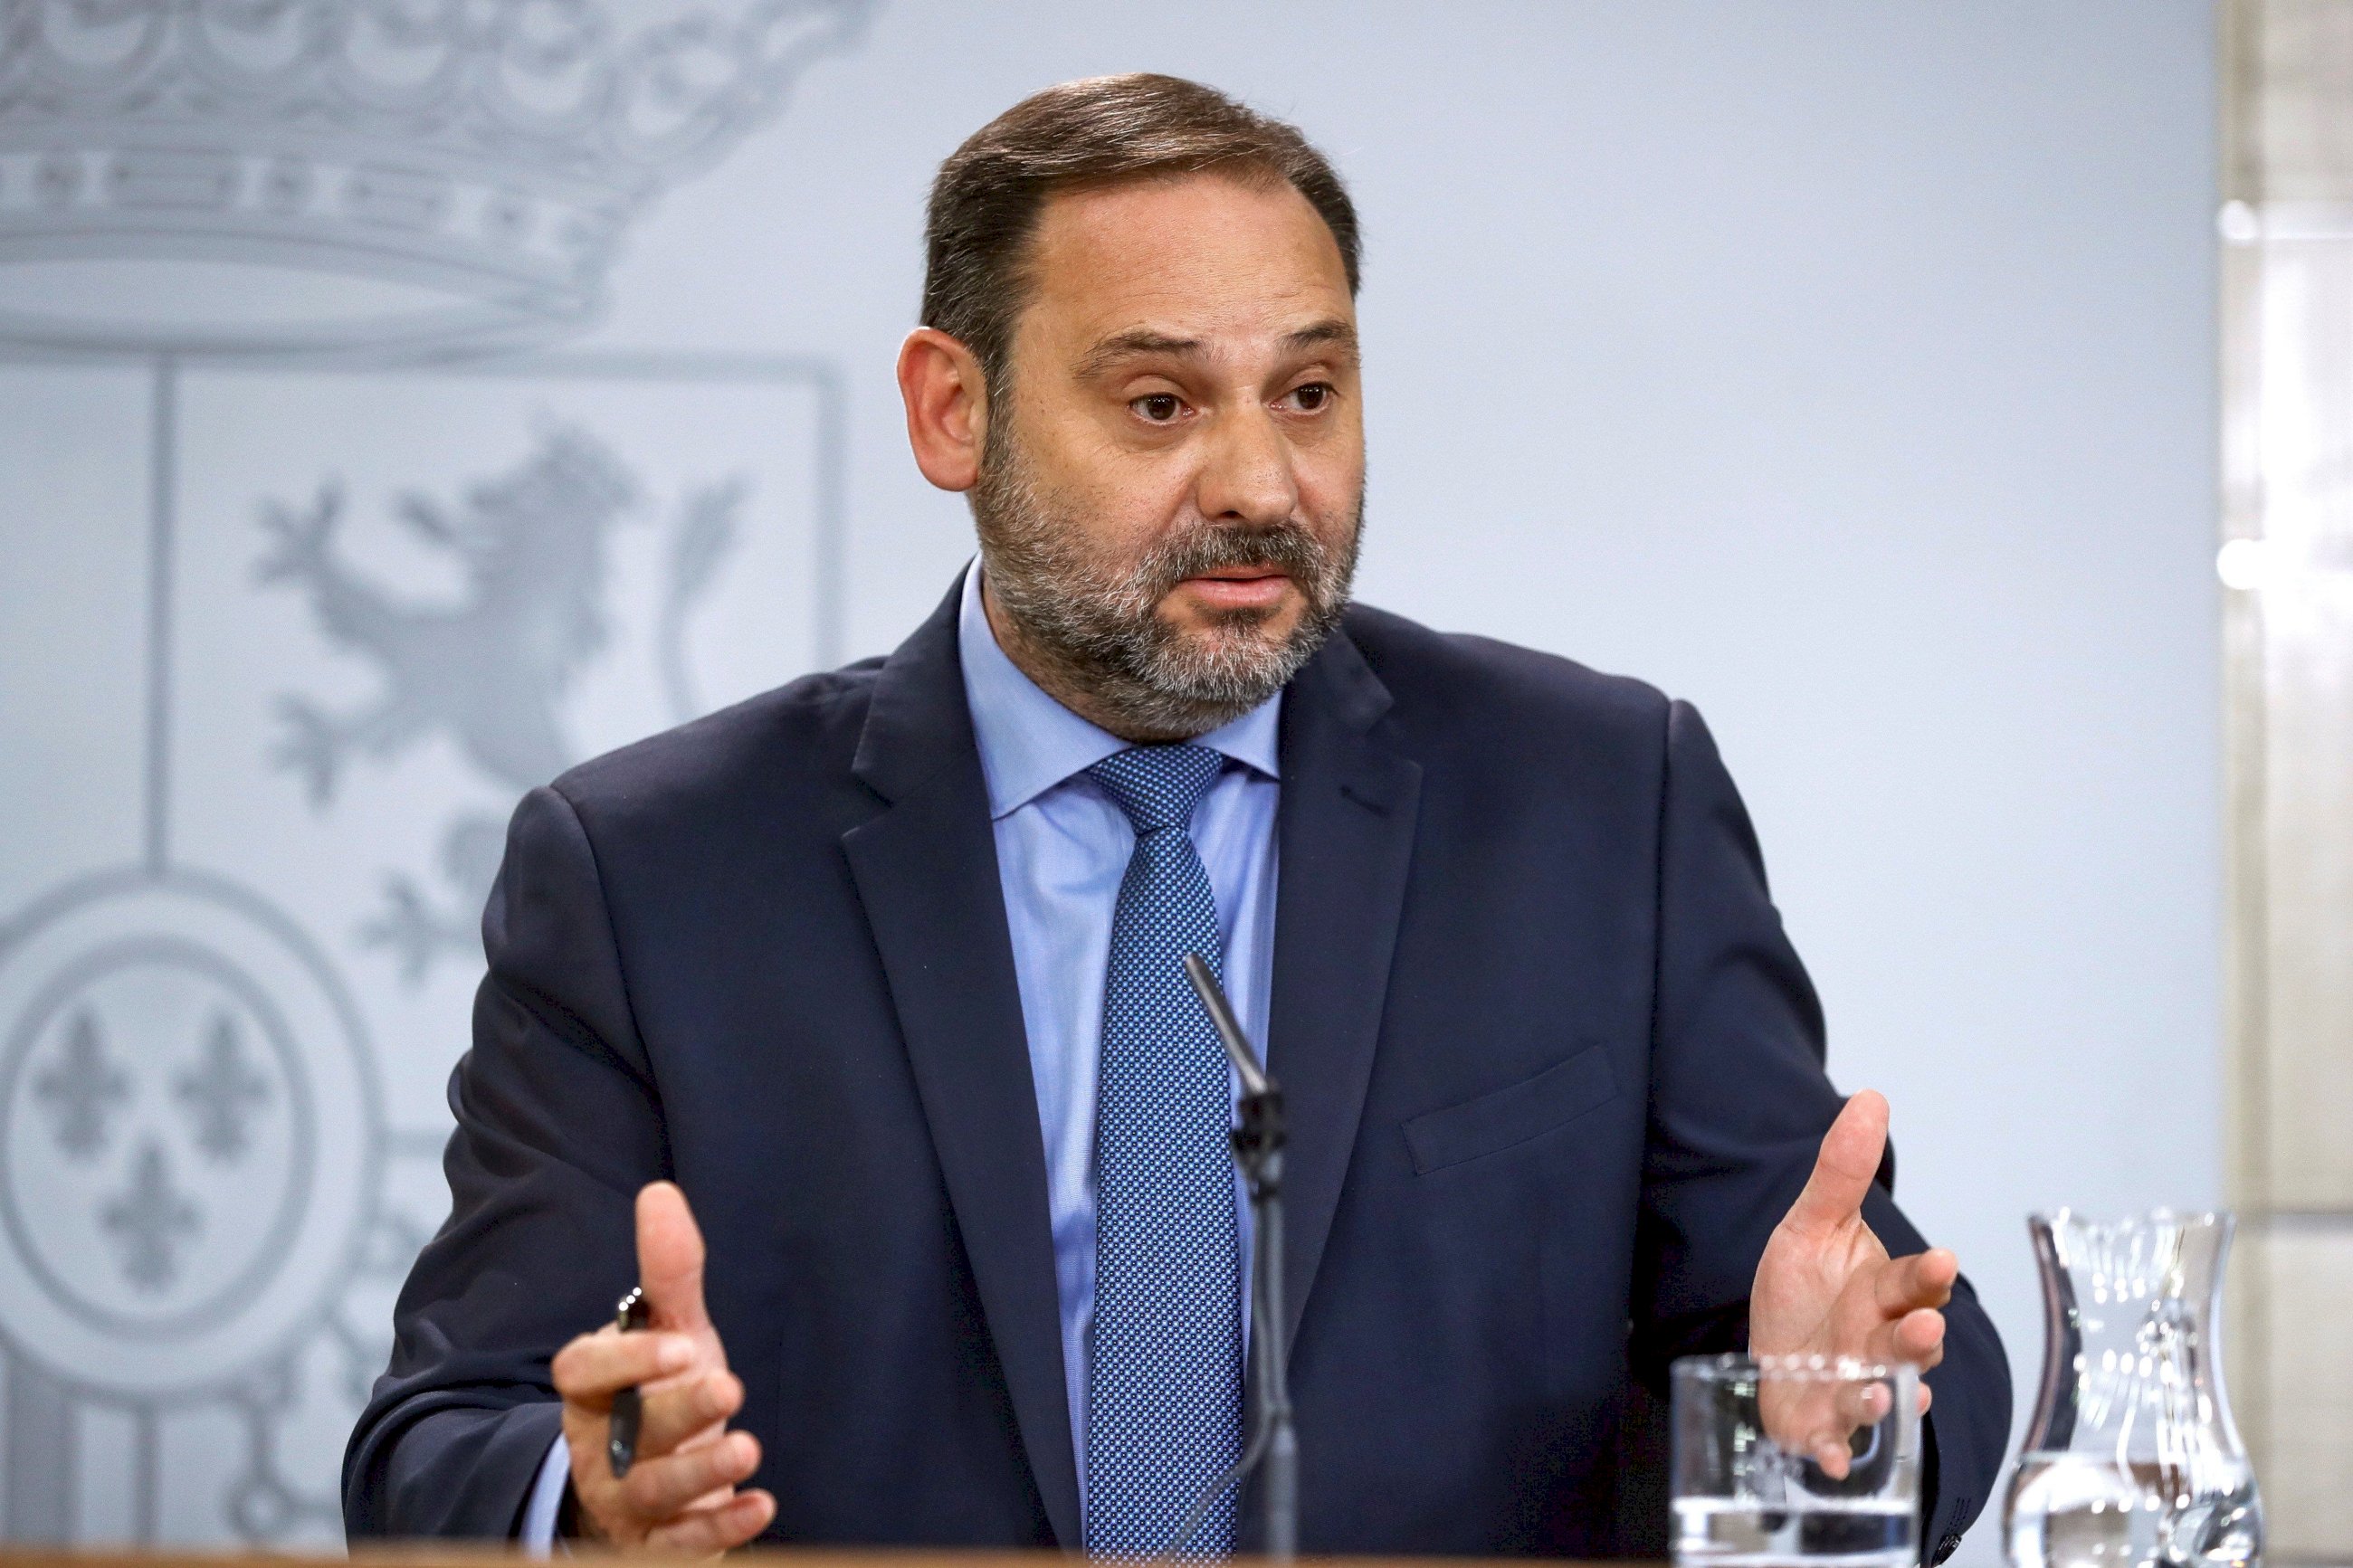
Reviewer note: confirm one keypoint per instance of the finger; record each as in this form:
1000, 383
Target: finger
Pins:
714, 1498
1920, 1338
593, 1367
1927, 1396
1863, 1404
670, 1257
687, 1409
1922, 1279
1850, 1408
1917, 1337
720, 1528
660, 1488
1844, 1168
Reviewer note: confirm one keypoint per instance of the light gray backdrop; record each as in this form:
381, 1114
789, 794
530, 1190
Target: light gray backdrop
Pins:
1843, 367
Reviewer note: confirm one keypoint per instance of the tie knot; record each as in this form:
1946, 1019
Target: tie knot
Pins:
1158, 786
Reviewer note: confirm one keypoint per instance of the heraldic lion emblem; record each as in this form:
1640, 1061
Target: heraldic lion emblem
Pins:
490, 671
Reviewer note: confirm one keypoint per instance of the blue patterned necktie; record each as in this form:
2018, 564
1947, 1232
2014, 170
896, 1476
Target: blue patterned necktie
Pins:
1165, 1367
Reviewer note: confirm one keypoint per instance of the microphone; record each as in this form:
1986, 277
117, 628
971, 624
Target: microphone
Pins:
1229, 1029
1258, 1140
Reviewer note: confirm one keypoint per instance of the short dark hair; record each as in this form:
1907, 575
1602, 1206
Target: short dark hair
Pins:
1105, 129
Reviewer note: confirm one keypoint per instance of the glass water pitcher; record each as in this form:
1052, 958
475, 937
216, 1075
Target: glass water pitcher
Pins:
2132, 1458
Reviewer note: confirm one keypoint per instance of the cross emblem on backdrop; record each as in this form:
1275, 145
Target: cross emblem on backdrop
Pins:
148, 1219
221, 1091
81, 1089
146, 1099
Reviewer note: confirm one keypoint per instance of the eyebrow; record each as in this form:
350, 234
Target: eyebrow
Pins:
1331, 333
1129, 344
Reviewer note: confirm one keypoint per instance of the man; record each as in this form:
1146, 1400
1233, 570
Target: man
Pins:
856, 1008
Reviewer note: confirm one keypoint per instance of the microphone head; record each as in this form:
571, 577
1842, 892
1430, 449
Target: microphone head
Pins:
1221, 1018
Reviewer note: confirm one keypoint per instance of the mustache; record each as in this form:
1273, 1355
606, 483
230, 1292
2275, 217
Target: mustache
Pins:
1286, 547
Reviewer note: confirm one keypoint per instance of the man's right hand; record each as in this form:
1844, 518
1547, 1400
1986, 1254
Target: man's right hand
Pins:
679, 1494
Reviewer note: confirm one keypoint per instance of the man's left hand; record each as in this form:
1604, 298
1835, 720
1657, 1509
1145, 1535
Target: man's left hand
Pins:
1826, 1287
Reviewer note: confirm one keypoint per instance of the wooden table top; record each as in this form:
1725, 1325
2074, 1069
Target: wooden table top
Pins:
464, 1555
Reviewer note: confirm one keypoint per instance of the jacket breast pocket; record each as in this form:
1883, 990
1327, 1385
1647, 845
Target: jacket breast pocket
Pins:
1502, 1118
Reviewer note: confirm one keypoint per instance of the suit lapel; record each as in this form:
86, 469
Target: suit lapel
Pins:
925, 869
1347, 828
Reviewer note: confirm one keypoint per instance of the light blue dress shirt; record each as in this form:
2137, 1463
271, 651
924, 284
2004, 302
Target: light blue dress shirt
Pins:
1062, 846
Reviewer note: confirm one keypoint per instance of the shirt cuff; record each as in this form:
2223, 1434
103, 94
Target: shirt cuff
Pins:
537, 1537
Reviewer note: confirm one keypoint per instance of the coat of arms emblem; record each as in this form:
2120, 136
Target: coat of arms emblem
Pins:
305, 265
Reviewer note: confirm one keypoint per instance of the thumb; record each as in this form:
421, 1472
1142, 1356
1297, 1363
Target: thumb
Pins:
669, 1259
1845, 1166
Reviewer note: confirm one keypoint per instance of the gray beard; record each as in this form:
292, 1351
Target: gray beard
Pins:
1101, 634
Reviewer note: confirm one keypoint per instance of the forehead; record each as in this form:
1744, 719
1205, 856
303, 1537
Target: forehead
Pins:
1210, 254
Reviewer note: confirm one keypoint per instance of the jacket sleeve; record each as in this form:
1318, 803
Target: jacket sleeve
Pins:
1739, 1101
558, 1125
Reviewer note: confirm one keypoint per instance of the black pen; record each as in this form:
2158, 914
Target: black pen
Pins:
621, 1443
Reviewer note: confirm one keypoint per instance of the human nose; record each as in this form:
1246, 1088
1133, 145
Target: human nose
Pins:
1246, 473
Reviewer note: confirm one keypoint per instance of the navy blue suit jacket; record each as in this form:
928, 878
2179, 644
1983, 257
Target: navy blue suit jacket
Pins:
1554, 1074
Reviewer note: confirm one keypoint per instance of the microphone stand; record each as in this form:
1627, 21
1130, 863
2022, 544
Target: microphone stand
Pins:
1258, 1140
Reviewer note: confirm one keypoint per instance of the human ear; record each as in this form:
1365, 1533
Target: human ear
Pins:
947, 407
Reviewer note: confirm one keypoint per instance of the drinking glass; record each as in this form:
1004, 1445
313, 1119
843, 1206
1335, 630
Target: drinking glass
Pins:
1796, 1460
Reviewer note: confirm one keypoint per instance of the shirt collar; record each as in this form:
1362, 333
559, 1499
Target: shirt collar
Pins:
1030, 743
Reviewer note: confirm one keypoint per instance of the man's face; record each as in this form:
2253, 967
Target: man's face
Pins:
1171, 494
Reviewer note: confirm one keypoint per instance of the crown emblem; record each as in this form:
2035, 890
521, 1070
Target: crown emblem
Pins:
327, 176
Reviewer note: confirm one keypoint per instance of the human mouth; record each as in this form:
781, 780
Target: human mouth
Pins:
1238, 588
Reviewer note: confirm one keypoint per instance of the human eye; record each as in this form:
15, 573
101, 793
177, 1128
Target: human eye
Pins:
1158, 407
1312, 398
